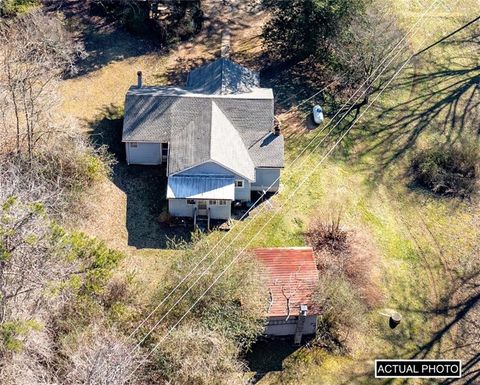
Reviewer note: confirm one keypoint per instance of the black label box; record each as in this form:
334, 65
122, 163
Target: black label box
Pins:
418, 368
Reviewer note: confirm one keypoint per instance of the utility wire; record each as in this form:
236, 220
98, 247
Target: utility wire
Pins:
306, 147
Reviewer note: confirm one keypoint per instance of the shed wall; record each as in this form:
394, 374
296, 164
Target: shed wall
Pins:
277, 326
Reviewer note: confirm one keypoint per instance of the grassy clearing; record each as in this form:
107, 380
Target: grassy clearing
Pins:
420, 236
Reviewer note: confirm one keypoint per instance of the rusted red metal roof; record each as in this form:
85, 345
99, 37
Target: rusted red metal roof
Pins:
290, 273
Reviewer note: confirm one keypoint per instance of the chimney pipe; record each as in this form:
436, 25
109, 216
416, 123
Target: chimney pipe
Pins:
276, 126
139, 79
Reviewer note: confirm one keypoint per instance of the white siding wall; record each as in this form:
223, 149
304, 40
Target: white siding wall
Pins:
265, 177
243, 193
220, 212
280, 327
143, 153
180, 208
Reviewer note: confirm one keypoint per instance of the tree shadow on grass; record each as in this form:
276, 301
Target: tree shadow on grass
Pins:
144, 186
456, 335
107, 45
104, 40
444, 102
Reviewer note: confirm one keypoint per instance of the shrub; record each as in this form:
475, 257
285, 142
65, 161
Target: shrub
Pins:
348, 283
447, 171
328, 235
347, 254
73, 163
52, 282
233, 307
100, 356
58, 172
12, 7
343, 313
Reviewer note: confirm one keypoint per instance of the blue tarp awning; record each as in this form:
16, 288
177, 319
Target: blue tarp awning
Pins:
201, 187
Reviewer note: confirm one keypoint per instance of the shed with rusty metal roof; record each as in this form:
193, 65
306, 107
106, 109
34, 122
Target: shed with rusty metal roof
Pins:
292, 278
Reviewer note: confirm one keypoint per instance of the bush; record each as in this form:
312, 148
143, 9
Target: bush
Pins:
73, 163
52, 282
100, 355
348, 288
58, 172
343, 313
234, 307
447, 171
13, 7
328, 236
347, 254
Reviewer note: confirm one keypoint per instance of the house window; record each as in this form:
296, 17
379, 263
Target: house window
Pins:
133, 144
222, 202
190, 201
239, 183
212, 202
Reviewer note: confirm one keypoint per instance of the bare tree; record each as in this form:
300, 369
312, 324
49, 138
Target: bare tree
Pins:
102, 358
25, 264
35, 51
364, 45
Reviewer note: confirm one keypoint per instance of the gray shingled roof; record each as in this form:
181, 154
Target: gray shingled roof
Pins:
184, 119
222, 77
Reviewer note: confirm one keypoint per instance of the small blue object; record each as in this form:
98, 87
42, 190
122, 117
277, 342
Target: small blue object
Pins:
317, 114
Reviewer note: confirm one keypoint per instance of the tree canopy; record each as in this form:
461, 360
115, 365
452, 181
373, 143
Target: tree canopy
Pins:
300, 28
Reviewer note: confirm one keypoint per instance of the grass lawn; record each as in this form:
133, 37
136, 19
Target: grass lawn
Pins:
422, 239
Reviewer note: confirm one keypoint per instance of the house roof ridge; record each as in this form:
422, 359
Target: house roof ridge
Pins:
246, 167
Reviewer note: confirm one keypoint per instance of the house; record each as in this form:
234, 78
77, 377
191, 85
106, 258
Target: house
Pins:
216, 136
292, 278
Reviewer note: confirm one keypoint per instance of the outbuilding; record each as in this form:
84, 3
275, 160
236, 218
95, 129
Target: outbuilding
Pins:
292, 278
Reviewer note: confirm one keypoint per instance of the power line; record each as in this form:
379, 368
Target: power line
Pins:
288, 200
306, 147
